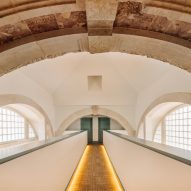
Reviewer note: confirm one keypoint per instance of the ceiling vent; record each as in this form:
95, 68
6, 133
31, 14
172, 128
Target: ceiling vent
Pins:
94, 83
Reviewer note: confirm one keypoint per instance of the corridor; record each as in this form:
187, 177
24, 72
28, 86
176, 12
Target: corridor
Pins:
95, 172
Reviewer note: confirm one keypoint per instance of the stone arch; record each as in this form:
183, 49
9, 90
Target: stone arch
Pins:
53, 46
72, 26
95, 111
7, 99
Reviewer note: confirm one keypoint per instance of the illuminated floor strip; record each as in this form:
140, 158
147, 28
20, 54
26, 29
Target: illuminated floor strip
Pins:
95, 172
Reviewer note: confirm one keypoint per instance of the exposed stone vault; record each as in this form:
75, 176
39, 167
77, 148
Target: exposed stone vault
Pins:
35, 29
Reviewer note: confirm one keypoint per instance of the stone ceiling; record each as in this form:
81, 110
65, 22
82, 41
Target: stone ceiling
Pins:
26, 21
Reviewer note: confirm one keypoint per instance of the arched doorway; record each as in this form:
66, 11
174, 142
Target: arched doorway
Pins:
103, 120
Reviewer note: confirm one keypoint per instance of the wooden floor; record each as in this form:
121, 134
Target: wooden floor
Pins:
94, 172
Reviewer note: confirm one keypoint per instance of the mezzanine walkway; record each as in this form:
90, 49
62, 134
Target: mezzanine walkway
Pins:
94, 172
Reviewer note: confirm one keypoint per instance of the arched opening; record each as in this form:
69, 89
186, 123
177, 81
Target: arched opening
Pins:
175, 128
167, 120
95, 125
22, 120
96, 111
14, 127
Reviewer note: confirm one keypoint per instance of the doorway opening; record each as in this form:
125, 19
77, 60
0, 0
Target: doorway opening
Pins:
95, 132
95, 126
87, 125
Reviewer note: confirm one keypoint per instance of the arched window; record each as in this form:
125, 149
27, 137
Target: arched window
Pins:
177, 128
14, 127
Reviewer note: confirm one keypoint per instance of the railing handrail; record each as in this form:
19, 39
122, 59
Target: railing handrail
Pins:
178, 154
8, 154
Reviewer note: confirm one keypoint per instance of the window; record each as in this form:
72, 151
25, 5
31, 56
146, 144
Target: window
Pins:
178, 128
157, 137
12, 126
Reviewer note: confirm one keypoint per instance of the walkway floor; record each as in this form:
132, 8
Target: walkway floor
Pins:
94, 172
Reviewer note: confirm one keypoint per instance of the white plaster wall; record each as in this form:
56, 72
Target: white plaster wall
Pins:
141, 169
127, 111
140, 133
76, 125
41, 131
69, 132
149, 128
47, 169
17, 83
95, 129
63, 112
71, 93
124, 132
115, 126
116, 89
176, 80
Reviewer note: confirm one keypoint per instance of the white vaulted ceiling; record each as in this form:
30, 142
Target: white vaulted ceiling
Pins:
130, 83
123, 77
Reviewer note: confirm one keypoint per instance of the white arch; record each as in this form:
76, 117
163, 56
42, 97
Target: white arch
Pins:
165, 103
95, 111
12, 99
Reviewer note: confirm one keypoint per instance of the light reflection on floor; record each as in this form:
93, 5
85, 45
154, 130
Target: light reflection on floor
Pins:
95, 172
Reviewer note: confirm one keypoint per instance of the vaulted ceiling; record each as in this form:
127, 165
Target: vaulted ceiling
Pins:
32, 29
136, 72
124, 77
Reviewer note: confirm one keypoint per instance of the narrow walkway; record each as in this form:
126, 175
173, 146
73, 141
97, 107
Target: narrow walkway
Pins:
94, 172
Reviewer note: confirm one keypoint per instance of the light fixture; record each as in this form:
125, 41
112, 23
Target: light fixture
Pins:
112, 178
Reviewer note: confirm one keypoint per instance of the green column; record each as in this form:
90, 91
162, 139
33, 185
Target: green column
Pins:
86, 124
104, 124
